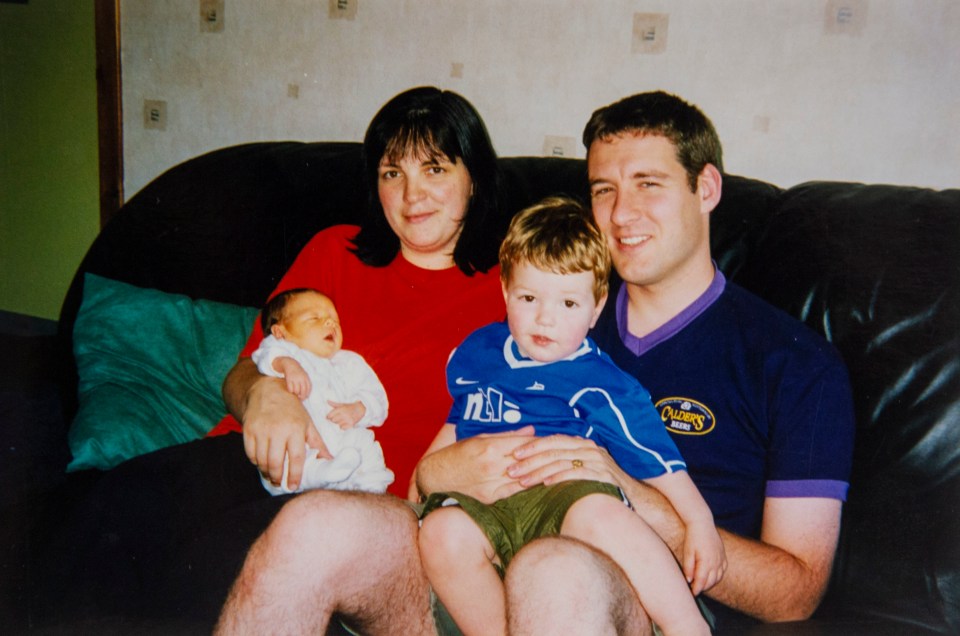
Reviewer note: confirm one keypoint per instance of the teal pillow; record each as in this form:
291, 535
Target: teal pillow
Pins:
151, 365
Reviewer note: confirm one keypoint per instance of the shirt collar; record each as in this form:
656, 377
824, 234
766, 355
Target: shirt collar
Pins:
639, 345
516, 360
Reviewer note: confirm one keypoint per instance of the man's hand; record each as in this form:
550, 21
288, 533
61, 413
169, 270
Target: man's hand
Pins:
549, 460
346, 415
275, 424
476, 466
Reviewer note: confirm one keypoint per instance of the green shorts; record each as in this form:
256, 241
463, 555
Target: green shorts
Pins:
513, 522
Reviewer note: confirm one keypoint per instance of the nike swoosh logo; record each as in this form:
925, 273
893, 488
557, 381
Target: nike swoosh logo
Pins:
461, 381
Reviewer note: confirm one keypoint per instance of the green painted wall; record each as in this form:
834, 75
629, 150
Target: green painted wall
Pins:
49, 187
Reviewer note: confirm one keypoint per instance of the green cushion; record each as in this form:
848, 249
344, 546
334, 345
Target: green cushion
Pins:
150, 366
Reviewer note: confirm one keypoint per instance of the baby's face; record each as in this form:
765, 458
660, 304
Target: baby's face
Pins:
549, 314
310, 321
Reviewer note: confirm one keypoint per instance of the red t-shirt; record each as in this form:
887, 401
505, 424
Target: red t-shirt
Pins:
404, 321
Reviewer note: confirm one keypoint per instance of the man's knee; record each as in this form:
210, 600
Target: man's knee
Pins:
331, 511
330, 551
559, 580
337, 523
364, 559
552, 562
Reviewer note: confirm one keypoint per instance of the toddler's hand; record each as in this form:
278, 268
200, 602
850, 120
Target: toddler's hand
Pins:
704, 559
413, 493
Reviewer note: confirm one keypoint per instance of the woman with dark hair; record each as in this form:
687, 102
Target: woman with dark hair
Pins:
411, 283
167, 532
429, 123
408, 281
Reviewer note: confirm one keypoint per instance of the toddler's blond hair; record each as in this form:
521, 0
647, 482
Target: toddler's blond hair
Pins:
557, 235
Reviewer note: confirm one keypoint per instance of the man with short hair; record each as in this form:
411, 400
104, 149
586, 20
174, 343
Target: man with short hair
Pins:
760, 405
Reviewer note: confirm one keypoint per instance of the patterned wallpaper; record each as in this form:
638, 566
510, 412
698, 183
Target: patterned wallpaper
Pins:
864, 90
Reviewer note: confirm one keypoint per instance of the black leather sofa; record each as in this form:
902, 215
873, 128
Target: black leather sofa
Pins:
876, 268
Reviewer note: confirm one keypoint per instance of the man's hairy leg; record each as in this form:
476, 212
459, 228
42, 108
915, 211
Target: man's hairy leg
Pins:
559, 585
333, 552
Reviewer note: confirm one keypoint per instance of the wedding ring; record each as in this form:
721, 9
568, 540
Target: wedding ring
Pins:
577, 463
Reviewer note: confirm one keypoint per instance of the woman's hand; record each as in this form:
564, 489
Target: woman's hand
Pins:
275, 424
476, 466
549, 460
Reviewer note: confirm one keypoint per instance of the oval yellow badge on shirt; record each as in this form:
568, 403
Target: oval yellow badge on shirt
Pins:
685, 416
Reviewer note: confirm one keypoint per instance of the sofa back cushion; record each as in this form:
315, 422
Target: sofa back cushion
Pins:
876, 269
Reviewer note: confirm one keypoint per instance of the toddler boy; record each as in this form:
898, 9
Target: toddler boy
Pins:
540, 368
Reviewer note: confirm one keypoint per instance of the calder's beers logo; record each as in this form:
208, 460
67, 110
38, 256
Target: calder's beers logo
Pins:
685, 416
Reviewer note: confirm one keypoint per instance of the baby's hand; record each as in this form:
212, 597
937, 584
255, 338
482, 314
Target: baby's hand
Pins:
297, 380
346, 415
704, 559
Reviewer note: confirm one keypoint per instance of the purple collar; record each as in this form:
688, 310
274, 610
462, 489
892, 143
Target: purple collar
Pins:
639, 346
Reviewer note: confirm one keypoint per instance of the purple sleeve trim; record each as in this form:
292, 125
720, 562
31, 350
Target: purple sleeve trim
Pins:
824, 488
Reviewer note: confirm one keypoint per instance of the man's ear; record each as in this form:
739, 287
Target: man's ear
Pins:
709, 188
596, 312
277, 331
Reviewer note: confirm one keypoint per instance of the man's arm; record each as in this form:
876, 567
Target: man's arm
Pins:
781, 577
784, 575
274, 421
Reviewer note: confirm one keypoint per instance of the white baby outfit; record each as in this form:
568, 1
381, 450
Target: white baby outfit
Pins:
357, 462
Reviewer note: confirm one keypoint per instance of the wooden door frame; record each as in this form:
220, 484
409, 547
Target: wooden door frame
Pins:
109, 107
